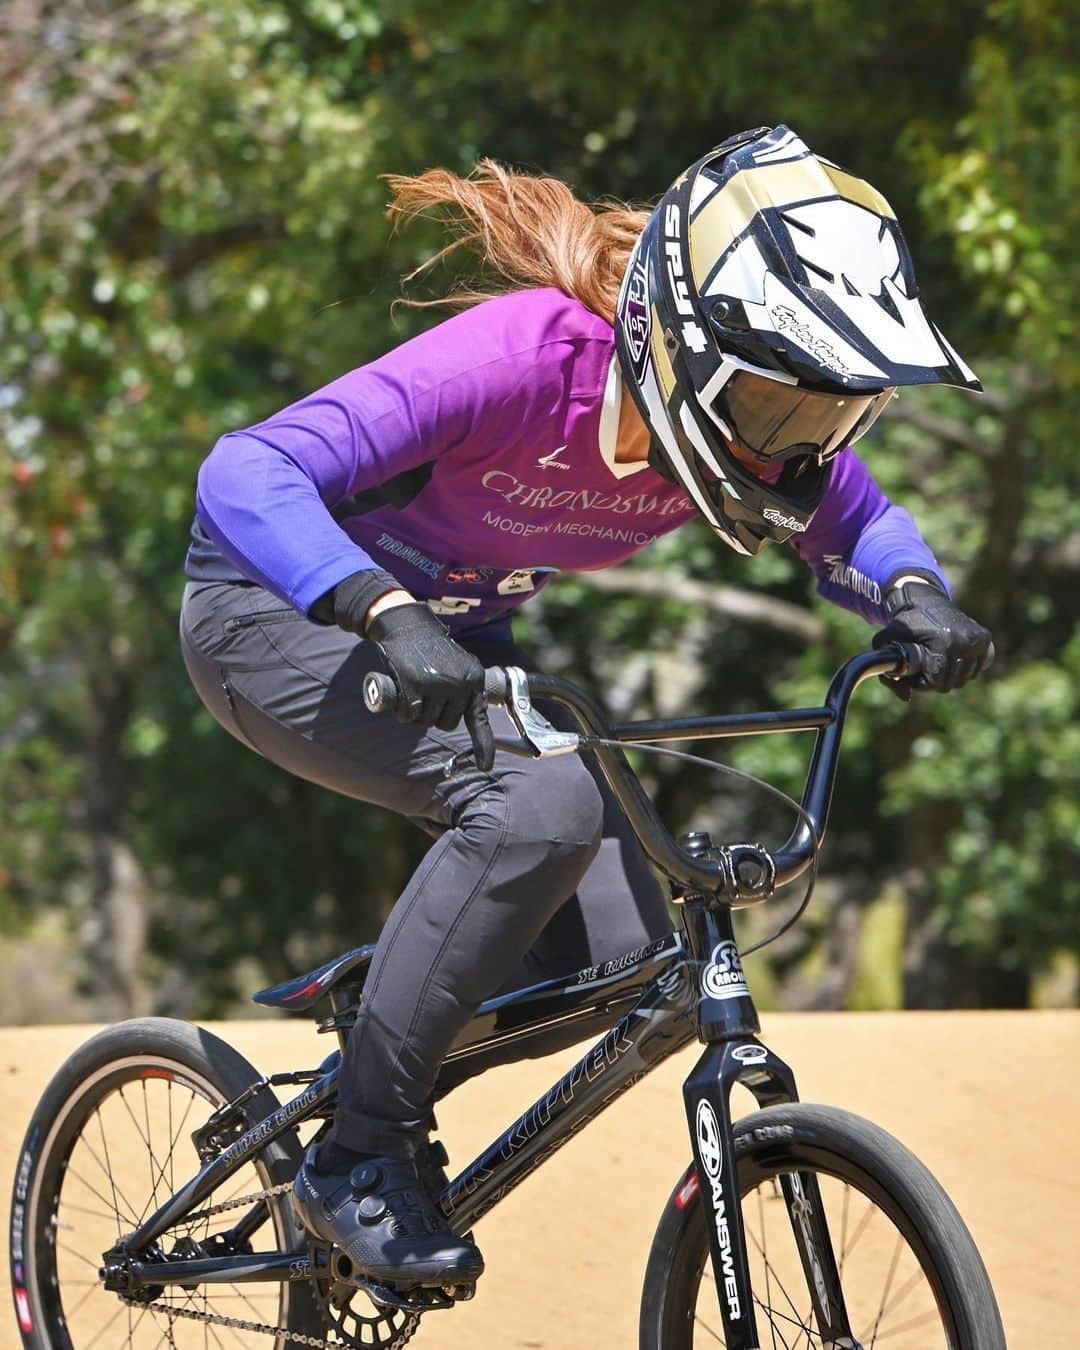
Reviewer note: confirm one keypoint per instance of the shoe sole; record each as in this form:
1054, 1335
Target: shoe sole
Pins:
347, 1271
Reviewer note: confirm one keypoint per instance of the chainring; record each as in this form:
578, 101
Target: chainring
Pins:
356, 1329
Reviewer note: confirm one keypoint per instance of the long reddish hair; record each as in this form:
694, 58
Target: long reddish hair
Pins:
528, 230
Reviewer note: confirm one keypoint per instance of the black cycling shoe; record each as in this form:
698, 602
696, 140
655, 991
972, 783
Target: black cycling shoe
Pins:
382, 1220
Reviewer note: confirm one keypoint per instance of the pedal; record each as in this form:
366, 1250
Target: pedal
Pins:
416, 1300
459, 1293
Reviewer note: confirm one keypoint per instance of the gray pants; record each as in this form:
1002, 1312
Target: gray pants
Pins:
534, 873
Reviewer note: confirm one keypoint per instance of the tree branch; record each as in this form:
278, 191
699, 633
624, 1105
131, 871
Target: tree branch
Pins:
949, 429
730, 601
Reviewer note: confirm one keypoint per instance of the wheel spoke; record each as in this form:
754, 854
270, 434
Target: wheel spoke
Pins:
63, 1247
93, 1189
109, 1216
773, 1328
878, 1282
101, 1332
885, 1291
174, 1135
138, 1322
779, 1282
705, 1327
768, 1273
90, 1288
240, 1294
139, 1131
843, 1229
919, 1321
863, 1225
109, 1172
901, 1293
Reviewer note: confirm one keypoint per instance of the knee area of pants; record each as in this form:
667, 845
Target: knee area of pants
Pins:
556, 802
566, 810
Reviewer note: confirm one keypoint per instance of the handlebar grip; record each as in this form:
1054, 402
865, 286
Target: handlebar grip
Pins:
496, 685
381, 693
911, 661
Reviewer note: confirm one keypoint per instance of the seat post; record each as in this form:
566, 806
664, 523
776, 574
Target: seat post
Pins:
344, 999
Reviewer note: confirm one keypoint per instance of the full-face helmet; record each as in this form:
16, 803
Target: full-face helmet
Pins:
768, 313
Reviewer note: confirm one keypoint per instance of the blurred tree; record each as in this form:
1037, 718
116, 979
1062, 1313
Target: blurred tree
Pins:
191, 234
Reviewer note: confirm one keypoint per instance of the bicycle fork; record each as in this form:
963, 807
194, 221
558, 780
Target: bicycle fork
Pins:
728, 1024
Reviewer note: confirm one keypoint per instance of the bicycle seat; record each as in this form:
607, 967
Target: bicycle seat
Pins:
304, 991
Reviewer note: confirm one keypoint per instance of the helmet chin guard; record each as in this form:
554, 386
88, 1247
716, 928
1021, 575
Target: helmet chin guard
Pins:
768, 313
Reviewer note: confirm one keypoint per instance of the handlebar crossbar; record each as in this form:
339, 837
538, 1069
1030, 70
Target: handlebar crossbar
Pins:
757, 871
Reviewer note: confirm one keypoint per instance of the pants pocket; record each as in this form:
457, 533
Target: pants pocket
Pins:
234, 724
262, 618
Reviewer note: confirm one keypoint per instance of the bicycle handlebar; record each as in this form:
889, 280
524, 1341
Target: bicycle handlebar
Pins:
747, 873
381, 695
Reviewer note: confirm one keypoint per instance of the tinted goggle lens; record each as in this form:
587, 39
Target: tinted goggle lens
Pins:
772, 420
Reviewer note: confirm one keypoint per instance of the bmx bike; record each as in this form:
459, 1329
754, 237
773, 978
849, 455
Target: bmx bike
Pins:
152, 1199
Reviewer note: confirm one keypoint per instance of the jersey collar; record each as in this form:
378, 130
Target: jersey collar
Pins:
609, 424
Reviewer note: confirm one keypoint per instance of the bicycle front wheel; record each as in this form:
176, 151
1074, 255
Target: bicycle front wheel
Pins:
911, 1276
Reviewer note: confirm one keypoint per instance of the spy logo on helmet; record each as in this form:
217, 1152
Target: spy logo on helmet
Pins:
634, 314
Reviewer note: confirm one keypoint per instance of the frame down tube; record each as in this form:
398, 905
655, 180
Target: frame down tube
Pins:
659, 1023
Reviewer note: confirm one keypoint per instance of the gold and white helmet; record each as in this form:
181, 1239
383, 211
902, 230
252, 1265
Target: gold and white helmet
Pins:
768, 313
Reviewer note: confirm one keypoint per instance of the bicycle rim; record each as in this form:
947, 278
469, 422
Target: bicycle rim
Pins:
120, 1147
890, 1298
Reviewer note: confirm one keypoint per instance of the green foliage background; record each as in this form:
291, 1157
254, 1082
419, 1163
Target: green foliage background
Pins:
192, 234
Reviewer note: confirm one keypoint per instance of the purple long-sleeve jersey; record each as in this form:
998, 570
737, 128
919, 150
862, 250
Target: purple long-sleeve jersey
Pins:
475, 461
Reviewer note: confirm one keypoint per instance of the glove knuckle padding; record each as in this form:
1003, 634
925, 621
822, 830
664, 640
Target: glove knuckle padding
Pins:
954, 647
438, 681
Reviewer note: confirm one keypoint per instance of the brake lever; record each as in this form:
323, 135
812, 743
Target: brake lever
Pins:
538, 738
534, 728
520, 748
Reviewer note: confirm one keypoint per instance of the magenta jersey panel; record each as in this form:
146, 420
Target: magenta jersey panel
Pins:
475, 461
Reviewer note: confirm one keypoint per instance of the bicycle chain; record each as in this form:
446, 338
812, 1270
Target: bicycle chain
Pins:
260, 1328
238, 1202
241, 1324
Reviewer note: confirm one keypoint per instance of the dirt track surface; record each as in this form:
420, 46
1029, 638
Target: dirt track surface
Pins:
987, 1100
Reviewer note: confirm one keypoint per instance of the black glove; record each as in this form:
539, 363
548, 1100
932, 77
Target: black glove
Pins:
438, 681
954, 648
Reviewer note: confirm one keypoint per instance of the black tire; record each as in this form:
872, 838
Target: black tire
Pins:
151, 1057
865, 1160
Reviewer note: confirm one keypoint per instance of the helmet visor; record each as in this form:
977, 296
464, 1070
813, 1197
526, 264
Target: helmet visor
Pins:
774, 421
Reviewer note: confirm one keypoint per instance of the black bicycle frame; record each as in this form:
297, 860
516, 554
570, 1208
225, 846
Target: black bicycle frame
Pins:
700, 990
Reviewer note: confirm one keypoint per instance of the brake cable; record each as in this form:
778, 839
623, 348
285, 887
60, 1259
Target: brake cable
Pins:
742, 776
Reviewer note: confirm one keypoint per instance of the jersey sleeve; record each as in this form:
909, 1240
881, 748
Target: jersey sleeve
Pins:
265, 494
858, 539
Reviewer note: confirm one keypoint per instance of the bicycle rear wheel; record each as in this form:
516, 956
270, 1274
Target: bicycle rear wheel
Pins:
912, 1277
109, 1142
